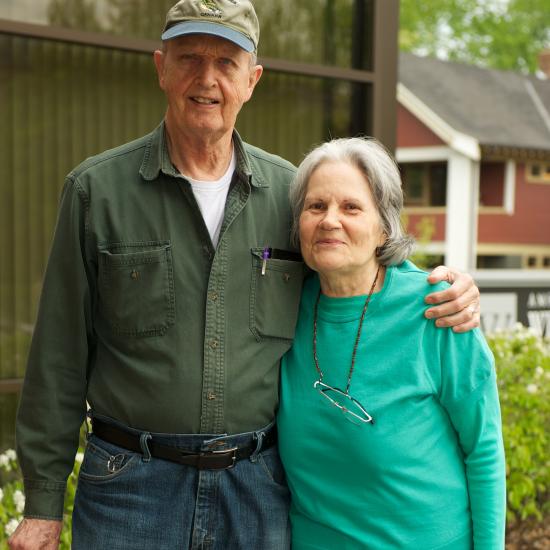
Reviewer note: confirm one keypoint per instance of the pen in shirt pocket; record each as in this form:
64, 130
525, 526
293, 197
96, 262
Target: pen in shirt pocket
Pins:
266, 254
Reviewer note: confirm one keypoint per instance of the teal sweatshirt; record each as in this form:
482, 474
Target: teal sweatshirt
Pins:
430, 472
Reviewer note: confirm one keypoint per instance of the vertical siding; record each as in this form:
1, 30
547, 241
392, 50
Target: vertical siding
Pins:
8, 407
59, 104
287, 114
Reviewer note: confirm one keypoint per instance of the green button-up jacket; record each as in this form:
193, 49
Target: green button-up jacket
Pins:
144, 319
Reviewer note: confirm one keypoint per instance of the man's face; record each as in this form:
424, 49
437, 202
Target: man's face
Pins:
207, 80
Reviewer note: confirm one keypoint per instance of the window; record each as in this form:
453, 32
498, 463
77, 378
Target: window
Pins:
424, 184
538, 172
513, 261
499, 262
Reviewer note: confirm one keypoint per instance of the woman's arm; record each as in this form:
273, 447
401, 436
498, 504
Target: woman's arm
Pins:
477, 422
469, 394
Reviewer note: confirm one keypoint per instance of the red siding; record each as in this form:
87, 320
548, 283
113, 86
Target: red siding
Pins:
530, 223
491, 180
412, 133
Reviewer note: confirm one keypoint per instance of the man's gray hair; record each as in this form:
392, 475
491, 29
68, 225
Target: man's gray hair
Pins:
381, 174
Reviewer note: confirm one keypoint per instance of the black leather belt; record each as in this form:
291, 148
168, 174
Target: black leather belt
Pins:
202, 460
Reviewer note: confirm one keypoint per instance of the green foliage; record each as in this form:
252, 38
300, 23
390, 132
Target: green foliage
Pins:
503, 34
423, 231
523, 371
12, 499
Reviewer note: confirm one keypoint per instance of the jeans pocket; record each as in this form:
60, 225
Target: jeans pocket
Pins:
136, 288
104, 462
275, 291
273, 466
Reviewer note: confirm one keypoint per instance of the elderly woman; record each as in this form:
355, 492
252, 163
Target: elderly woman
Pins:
389, 429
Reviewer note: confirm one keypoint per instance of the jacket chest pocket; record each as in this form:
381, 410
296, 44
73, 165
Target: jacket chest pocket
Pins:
136, 288
275, 291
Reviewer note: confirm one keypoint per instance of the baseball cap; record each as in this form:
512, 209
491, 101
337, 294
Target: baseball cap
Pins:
234, 20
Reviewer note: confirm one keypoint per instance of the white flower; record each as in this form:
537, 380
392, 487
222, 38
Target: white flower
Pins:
4, 460
1, 495
79, 457
11, 454
539, 371
532, 388
11, 526
19, 501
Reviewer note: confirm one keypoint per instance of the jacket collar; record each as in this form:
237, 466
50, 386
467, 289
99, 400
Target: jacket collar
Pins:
156, 159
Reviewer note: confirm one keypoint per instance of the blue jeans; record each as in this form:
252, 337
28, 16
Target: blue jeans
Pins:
132, 501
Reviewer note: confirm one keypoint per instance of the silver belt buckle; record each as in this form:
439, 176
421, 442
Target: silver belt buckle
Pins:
231, 453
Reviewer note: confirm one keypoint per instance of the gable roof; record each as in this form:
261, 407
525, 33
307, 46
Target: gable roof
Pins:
499, 109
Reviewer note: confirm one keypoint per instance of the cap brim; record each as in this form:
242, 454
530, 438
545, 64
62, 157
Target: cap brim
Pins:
206, 27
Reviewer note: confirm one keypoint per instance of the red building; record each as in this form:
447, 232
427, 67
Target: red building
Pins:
474, 148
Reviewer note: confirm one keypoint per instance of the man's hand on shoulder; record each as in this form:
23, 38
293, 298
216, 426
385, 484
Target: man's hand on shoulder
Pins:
36, 534
458, 305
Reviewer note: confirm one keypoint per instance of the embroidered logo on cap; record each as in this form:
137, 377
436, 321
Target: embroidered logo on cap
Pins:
210, 9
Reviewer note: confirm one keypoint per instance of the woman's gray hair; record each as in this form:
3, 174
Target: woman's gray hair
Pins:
381, 174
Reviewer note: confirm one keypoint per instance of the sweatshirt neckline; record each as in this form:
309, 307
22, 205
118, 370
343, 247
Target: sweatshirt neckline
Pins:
349, 308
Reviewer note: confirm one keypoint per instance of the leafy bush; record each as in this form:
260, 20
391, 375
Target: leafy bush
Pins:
523, 370
423, 232
12, 499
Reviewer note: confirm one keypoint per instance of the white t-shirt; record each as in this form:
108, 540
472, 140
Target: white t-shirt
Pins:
211, 197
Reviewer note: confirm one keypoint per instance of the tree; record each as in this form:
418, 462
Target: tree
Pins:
503, 34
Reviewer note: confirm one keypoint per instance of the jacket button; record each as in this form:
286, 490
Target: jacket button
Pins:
286, 277
214, 343
134, 275
213, 296
211, 396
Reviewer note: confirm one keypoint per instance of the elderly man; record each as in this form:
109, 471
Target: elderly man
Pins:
170, 296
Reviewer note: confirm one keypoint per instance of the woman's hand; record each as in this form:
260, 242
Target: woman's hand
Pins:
458, 305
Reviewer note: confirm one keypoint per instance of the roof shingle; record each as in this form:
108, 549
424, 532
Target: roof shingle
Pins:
492, 106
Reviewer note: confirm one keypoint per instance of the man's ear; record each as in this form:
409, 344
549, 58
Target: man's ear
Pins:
159, 58
255, 75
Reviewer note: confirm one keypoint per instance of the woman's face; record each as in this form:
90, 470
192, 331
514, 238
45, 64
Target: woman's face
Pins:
340, 227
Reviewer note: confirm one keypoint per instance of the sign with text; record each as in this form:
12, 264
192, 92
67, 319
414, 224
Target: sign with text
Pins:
514, 296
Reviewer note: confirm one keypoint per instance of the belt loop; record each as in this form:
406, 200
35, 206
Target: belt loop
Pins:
260, 437
143, 438
87, 421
